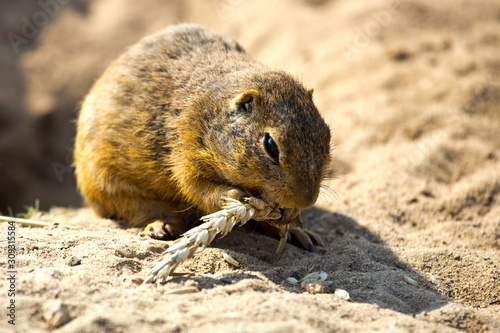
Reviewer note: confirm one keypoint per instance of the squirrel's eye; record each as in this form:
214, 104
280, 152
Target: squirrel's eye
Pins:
271, 147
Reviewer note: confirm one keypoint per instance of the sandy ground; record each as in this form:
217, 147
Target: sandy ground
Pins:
411, 90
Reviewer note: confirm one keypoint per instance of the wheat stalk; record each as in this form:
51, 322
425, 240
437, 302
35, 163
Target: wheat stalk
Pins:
221, 222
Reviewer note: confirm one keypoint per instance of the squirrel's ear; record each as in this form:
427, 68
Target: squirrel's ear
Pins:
310, 92
246, 101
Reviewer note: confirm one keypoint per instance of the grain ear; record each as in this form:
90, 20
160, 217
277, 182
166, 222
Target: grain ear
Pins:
310, 92
246, 101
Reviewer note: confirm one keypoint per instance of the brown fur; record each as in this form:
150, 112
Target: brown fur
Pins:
168, 127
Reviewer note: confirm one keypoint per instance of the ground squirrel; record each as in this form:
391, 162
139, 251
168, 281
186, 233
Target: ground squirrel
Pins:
186, 117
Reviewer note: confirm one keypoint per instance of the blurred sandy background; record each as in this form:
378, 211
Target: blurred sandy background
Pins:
412, 92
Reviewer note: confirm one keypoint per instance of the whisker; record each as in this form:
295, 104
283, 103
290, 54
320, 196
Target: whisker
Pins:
324, 199
185, 209
327, 192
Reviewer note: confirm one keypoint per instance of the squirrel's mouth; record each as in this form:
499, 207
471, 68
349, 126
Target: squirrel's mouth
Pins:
291, 216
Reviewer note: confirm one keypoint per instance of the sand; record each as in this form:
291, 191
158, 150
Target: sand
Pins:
411, 90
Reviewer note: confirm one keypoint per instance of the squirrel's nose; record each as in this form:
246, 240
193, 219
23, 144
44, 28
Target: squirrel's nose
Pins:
305, 203
306, 198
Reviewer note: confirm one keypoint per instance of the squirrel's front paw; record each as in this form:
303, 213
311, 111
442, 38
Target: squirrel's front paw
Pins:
161, 230
307, 239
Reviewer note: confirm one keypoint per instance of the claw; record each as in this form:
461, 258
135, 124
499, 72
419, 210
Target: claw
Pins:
316, 238
307, 239
155, 230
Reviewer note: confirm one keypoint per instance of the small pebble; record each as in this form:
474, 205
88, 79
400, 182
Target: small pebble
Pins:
314, 286
138, 280
74, 261
342, 294
340, 231
55, 314
123, 252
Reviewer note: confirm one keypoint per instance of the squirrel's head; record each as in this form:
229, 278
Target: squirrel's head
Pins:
273, 141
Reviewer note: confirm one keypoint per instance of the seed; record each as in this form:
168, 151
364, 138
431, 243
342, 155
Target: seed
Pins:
201, 239
179, 291
316, 276
230, 259
411, 282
